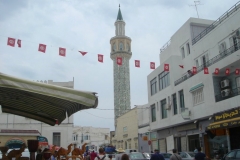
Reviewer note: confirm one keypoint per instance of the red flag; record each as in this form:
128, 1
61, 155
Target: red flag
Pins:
11, 42
100, 58
166, 67
83, 53
237, 71
152, 65
119, 61
42, 48
137, 63
62, 51
194, 70
227, 72
206, 70
19, 43
181, 66
216, 71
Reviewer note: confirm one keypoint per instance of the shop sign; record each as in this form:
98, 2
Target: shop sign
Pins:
224, 125
233, 113
153, 135
145, 138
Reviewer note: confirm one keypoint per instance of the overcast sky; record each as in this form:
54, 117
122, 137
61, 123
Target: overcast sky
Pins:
88, 25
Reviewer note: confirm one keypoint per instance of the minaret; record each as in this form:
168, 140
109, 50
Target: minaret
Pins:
121, 47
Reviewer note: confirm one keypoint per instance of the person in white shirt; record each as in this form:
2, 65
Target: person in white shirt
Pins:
101, 155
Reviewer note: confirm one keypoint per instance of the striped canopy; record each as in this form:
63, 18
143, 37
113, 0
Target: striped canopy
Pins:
42, 102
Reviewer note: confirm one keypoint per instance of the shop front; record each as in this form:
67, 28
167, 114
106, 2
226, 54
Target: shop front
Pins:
224, 132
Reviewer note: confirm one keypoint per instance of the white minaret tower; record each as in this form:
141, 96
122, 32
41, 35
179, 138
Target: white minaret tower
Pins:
121, 47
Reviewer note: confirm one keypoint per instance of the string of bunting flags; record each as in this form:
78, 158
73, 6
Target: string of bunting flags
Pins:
62, 52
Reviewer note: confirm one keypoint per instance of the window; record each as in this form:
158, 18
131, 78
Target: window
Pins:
222, 47
57, 138
153, 112
163, 108
120, 46
181, 97
125, 129
136, 146
153, 86
174, 103
197, 96
230, 155
183, 52
188, 48
129, 145
164, 80
197, 64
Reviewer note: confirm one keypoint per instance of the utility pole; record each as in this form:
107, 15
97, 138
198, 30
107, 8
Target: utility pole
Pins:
196, 3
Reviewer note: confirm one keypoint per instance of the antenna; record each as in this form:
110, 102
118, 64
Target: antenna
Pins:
195, 4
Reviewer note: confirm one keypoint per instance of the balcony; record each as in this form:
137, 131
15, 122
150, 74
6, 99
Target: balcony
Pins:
215, 59
216, 23
234, 92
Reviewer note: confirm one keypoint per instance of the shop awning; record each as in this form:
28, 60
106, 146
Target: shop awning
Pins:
224, 124
42, 102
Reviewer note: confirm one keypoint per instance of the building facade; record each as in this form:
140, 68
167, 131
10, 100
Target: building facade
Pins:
121, 48
126, 134
94, 137
196, 103
60, 135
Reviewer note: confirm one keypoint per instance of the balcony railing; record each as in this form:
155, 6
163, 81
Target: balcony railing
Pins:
216, 23
234, 92
215, 59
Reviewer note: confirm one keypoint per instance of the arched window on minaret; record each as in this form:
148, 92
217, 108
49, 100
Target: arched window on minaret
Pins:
114, 47
121, 46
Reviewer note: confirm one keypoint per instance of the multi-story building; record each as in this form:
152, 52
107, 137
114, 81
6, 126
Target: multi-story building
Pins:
120, 54
94, 137
60, 135
126, 134
196, 103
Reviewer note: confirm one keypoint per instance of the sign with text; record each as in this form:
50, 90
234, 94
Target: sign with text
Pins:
233, 113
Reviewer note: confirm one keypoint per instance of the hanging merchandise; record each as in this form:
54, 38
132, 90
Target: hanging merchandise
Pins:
227, 71
237, 71
194, 70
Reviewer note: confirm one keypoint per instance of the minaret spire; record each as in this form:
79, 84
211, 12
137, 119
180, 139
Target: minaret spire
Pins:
119, 16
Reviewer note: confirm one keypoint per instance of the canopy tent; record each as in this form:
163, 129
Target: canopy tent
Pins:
42, 102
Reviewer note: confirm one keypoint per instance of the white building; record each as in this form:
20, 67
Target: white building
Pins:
195, 110
94, 137
60, 135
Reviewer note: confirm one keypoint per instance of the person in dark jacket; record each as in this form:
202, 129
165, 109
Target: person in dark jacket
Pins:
157, 155
200, 155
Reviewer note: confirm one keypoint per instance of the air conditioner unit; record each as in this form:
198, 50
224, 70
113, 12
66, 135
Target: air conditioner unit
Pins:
168, 106
238, 33
225, 83
225, 92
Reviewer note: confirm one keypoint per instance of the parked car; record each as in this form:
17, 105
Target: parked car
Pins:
187, 155
166, 155
137, 156
233, 155
147, 155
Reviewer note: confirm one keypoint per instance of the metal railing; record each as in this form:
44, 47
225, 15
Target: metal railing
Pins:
165, 46
234, 92
215, 59
216, 23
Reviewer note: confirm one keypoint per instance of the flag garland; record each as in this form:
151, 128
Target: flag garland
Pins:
62, 52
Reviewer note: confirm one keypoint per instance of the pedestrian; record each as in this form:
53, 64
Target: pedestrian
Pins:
157, 155
101, 155
175, 156
125, 157
110, 157
120, 153
200, 155
195, 150
54, 156
87, 156
93, 155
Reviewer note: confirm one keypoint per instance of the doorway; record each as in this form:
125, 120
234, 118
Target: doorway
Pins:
193, 142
